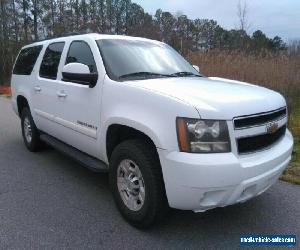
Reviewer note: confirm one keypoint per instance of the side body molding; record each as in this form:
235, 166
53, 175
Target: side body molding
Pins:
91, 132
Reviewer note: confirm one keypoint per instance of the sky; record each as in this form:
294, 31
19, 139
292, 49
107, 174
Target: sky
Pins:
273, 17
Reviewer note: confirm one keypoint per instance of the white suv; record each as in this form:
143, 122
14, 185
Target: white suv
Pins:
169, 136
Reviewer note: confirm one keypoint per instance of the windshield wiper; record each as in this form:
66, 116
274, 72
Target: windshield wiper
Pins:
144, 74
185, 73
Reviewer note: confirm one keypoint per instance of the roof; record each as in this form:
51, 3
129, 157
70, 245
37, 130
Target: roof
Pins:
94, 36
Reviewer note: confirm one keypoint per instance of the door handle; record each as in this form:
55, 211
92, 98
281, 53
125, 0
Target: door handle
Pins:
61, 94
37, 89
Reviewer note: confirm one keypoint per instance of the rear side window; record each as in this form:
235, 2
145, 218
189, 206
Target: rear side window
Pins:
80, 52
51, 60
26, 60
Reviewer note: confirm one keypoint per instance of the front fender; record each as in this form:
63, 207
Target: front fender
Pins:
136, 125
152, 113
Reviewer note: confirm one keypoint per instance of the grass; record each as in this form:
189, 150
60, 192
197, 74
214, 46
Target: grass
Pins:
280, 72
292, 173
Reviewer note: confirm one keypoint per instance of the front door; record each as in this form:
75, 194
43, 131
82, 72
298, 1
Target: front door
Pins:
79, 105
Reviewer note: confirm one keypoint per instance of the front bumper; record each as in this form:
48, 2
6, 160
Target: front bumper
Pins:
200, 182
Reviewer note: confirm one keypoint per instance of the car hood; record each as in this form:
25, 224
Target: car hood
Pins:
216, 98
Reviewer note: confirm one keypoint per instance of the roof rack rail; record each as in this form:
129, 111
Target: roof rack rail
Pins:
60, 35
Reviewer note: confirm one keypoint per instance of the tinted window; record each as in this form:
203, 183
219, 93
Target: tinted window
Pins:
26, 60
51, 60
80, 52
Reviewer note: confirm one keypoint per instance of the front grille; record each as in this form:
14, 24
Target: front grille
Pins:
259, 119
259, 142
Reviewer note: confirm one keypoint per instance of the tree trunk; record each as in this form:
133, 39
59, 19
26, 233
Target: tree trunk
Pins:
101, 14
1, 42
77, 15
35, 19
16, 27
25, 25
53, 17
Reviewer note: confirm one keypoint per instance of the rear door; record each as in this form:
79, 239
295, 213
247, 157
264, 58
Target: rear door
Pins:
44, 92
24, 74
78, 112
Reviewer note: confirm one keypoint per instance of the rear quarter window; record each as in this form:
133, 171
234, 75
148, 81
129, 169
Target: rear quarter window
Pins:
26, 60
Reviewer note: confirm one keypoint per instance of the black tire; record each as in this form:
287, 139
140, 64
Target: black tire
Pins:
34, 144
155, 204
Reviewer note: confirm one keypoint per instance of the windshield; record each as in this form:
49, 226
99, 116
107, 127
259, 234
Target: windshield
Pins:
136, 59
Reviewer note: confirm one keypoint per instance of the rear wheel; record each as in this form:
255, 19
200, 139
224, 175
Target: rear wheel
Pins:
30, 132
137, 183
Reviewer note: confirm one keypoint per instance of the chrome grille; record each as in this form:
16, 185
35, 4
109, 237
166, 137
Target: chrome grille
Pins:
259, 119
259, 142
253, 134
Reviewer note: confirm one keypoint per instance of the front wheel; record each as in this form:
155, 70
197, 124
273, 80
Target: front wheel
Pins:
137, 183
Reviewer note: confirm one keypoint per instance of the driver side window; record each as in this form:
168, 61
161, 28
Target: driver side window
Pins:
80, 52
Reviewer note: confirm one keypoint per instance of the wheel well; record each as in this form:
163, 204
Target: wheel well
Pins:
22, 103
118, 133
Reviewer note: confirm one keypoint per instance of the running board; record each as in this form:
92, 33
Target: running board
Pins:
82, 158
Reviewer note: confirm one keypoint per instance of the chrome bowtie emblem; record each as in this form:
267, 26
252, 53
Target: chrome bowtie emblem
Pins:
272, 127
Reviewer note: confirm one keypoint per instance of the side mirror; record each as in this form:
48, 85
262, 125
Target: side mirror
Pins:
79, 73
196, 68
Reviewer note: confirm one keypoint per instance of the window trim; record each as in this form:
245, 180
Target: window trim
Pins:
52, 78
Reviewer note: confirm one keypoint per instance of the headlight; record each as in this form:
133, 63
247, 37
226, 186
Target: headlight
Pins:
202, 136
